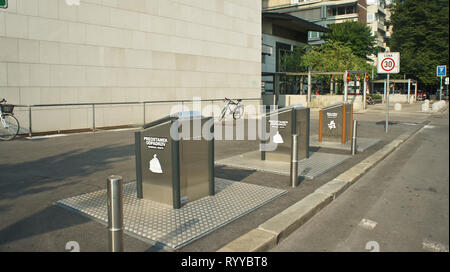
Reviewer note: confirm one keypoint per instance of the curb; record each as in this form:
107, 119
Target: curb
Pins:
270, 233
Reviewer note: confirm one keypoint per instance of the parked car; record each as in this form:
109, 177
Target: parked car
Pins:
421, 96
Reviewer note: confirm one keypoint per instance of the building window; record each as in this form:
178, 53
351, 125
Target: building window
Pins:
370, 17
313, 35
341, 10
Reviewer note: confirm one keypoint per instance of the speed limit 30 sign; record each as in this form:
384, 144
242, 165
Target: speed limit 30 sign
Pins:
388, 63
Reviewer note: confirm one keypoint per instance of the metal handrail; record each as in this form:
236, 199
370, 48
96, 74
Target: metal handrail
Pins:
93, 104
129, 103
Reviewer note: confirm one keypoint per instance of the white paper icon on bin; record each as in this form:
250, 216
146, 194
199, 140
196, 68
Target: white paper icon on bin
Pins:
155, 166
277, 138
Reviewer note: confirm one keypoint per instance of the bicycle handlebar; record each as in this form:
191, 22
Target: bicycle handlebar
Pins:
238, 100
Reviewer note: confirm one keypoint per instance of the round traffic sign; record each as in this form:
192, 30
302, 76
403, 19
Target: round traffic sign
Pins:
388, 64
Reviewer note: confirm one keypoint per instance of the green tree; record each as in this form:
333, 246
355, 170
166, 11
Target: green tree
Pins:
332, 56
420, 34
355, 35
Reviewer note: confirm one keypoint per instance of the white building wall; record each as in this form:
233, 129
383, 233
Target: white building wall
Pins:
125, 50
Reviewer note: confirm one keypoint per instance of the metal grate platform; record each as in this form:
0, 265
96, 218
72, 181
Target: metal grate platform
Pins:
317, 164
172, 229
361, 143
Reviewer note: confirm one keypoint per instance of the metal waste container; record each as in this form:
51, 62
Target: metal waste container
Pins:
290, 120
335, 123
174, 161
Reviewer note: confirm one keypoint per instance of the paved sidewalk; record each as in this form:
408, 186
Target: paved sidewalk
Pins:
37, 173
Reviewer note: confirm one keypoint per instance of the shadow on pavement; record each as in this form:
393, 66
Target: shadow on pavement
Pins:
48, 220
49, 173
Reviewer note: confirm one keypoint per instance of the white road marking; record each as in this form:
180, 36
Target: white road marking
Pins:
367, 224
429, 126
429, 245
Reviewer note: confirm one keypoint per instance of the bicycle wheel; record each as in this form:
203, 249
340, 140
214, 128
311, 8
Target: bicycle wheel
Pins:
9, 128
238, 112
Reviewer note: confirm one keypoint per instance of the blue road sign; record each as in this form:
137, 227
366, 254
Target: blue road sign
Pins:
441, 70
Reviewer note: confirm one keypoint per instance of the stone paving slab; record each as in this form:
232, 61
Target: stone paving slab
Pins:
172, 229
317, 164
362, 143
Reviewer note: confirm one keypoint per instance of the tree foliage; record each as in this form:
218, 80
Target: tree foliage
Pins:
332, 56
420, 34
355, 35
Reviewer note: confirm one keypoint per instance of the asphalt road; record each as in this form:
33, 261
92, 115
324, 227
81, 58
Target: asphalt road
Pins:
402, 204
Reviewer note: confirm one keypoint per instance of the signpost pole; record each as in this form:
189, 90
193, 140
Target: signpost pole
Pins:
388, 63
441, 71
387, 104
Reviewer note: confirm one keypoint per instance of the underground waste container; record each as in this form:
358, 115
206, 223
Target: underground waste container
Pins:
175, 160
282, 124
335, 123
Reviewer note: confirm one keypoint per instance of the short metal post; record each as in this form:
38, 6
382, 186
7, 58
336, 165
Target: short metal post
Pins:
115, 213
294, 161
354, 136
212, 190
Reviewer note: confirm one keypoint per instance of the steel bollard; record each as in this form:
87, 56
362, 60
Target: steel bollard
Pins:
294, 161
115, 213
354, 136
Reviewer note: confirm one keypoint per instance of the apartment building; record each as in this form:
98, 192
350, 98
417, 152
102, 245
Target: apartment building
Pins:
377, 16
320, 12
97, 51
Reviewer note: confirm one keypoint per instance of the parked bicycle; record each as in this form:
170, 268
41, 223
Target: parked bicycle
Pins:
9, 127
233, 108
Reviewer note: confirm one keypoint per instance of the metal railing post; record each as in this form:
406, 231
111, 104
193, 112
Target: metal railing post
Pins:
30, 132
93, 117
294, 161
115, 213
354, 137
